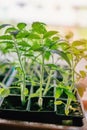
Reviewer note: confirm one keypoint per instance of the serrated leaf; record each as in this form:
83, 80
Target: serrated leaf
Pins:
39, 27
21, 25
49, 34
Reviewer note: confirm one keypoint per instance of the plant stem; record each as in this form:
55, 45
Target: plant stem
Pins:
67, 106
23, 85
23, 71
73, 80
41, 81
29, 101
48, 83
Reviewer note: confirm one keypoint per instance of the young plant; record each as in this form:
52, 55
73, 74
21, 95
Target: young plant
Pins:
76, 52
14, 39
36, 47
45, 44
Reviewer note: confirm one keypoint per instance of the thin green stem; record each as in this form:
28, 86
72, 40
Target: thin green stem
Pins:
22, 69
48, 83
72, 68
41, 80
18, 54
67, 106
28, 103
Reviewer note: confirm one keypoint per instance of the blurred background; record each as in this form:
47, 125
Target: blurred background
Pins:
63, 15
69, 15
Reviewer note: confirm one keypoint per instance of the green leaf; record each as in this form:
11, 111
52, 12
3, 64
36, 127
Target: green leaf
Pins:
75, 51
47, 55
69, 35
52, 66
39, 27
53, 46
58, 92
79, 43
22, 49
47, 42
23, 43
64, 45
5, 37
76, 43
6, 41
55, 38
26, 91
9, 46
49, 34
21, 25
63, 55
33, 36
36, 47
50, 44
10, 29
4, 25
70, 95
29, 54
4, 92
23, 34
58, 102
